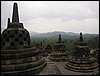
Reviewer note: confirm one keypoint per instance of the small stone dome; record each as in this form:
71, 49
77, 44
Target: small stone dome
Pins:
80, 60
59, 52
18, 57
15, 36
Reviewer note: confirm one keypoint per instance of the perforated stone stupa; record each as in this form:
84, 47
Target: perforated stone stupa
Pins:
59, 52
18, 56
80, 60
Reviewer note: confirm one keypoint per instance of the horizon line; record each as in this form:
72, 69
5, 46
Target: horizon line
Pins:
65, 32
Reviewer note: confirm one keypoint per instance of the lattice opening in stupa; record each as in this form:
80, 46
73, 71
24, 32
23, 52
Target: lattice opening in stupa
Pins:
80, 60
18, 56
59, 52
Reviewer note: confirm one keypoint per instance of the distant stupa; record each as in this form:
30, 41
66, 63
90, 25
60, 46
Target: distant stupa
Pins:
15, 34
18, 56
59, 52
80, 60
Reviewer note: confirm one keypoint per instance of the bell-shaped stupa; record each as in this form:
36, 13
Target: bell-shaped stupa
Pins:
59, 52
81, 60
18, 56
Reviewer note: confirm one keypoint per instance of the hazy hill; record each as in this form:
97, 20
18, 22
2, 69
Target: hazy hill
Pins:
64, 35
69, 37
51, 34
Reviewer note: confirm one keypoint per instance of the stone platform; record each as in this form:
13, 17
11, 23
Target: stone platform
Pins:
27, 61
18, 56
59, 52
58, 68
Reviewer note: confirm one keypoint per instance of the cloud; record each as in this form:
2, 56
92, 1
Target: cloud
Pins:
62, 9
53, 15
40, 24
49, 9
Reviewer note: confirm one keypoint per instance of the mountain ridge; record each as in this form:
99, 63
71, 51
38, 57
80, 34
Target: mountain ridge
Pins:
56, 32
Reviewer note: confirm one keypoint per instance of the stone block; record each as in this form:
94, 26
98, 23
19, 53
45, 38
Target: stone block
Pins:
7, 43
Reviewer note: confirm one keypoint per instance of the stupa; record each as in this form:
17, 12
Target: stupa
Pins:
59, 52
42, 50
18, 56
48, 49
80, 60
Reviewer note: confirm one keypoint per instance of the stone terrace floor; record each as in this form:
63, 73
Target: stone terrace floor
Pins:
58, 68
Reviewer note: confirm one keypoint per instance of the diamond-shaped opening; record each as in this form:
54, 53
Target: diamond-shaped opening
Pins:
4, 35
24, 39
16, 32
20, 35
12, 43
3, 43
7, 39
27, 35
28, 43
12, 36
16, 39
23, 32
21, 43
8, 32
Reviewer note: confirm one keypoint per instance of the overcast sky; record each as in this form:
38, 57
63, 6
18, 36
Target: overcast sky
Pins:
49, 16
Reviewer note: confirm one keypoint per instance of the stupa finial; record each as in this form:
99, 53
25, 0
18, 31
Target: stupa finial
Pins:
81, 37
15, 16
59, 37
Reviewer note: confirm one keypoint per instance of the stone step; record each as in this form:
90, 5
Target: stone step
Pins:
80, 70
19, 55
81, 67
31, 71
14, 51
87, 61
23, 66
20, 61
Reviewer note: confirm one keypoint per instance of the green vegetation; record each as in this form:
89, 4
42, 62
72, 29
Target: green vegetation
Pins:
91, 39
94, 42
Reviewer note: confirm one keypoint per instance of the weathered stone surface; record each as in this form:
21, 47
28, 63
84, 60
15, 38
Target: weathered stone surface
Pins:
59, 52
15, 17
81, 60
18, 57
